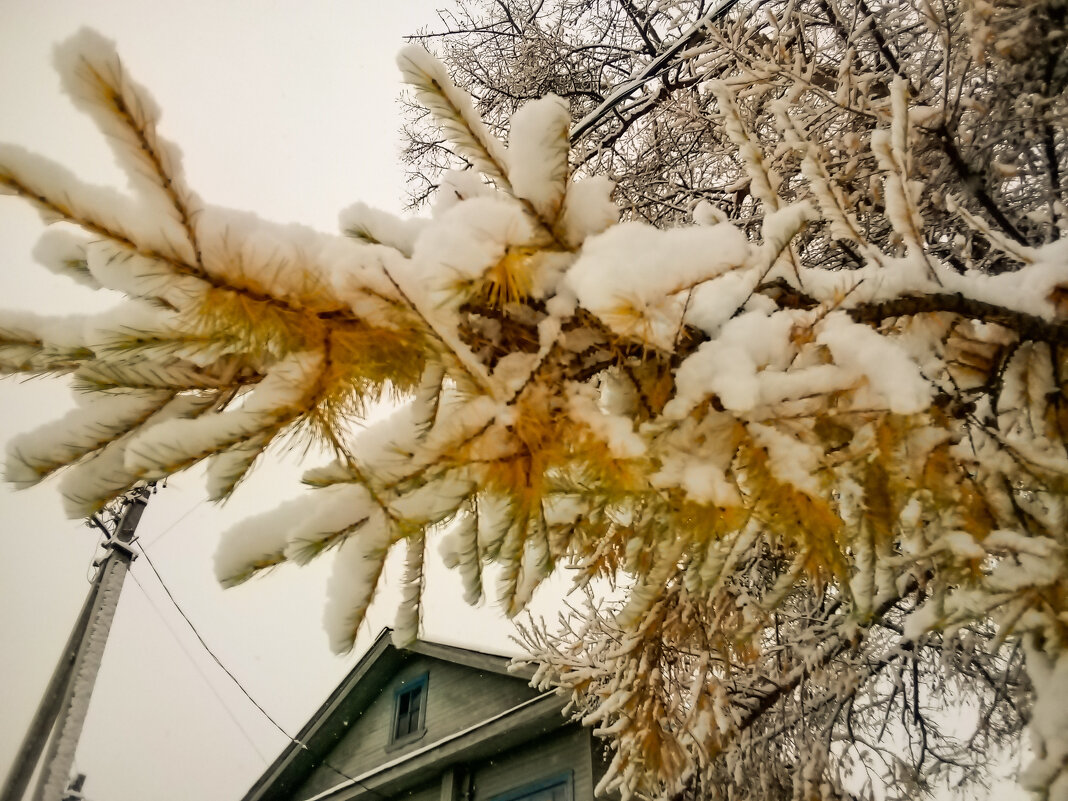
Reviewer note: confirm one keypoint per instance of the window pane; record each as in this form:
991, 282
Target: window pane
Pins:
409, 706
556, 792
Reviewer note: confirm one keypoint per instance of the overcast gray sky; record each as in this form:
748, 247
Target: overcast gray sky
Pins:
284, 108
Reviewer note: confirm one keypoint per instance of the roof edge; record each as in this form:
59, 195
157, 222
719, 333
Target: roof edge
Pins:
321, 715
480, 660
382, 645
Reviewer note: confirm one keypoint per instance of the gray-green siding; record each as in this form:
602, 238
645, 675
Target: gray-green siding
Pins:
566, 750
457, 697
428, 792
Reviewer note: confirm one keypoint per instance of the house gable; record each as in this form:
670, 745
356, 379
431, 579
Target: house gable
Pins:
353, 732
457, 697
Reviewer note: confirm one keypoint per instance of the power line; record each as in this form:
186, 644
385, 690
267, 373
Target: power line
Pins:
211, 653
198, 669
241, 687
172, 526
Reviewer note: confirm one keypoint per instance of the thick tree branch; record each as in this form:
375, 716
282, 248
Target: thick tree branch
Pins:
1027, 326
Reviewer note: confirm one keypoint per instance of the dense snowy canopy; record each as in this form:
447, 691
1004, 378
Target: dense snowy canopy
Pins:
676, 404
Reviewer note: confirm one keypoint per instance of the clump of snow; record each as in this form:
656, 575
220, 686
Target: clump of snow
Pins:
885, 364
96, 332
297, 530
922, 620
727, 366
1004, 539
1048, 772
1029, 290
790, 460
962, 544
456, 186
117, 267
472, 237
706, 213
763, 181
104, 208
459, 549
87, 485
134, 317
494, 517
588, 209
387, 447
372, 225
362, 278
714, 302
281, 261
535, 566
1024, 572
454, 112
616, 430
636, 277
64, 253
702, 481
434, 502
98, 420
409, 611
330, 511
537, 154
94, 78
357, 567
64, 332
227, 469
256, 542
779, 227
162, 448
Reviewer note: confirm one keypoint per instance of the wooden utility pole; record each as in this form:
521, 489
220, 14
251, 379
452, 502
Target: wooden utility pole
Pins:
62, 709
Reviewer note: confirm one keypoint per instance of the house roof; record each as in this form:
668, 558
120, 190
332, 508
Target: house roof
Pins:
359, 688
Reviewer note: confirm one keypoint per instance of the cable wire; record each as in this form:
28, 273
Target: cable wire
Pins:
199, 670
172, 526
211, 653
323, 761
